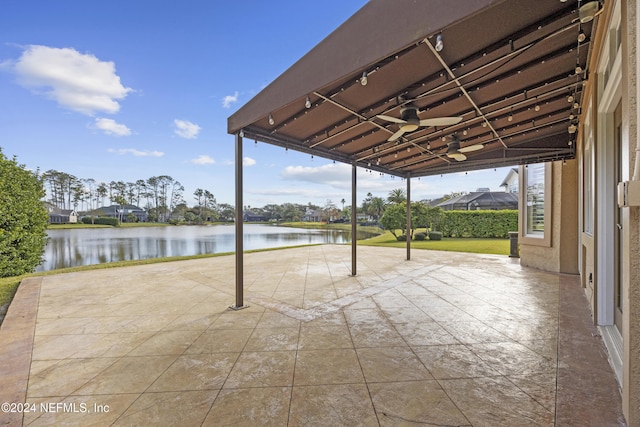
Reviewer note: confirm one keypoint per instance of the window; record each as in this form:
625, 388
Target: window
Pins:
534, 208
588, 185
535, 202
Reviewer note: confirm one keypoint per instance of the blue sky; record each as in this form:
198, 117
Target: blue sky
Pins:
125, 90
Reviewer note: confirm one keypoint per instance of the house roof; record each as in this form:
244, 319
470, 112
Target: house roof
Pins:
512, 172
494, 199
123, 208
508, 68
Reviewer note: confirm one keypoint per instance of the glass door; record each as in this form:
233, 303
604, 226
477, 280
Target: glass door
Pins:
617, 232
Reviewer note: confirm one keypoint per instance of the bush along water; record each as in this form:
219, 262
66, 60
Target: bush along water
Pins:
101, 220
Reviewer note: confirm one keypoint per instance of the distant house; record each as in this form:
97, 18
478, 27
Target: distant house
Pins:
510, 182
314, 215
481, 200
122, 212
61, 216
252, 217
321, 215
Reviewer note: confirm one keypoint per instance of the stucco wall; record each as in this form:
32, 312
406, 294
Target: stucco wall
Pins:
567, 228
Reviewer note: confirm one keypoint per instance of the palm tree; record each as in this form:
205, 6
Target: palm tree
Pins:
397, 195
376, 207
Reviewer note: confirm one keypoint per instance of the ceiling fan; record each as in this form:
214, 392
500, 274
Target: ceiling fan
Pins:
455, 152
409, 120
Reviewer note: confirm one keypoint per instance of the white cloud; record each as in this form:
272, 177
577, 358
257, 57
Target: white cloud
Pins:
289, 193
134, 152
76, 81
111, 127
335, 174
228, 100
186, 129
203, 159
248, 161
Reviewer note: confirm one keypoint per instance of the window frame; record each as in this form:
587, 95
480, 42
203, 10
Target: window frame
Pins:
544, 238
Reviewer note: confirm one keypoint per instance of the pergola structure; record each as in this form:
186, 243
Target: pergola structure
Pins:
478, 83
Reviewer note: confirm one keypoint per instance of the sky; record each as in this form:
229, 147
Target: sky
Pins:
123, 90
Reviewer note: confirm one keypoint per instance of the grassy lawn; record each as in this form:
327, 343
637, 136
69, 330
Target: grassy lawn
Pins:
124, 225
479, 246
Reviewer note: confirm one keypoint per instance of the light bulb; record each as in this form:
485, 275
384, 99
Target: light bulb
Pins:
271, 121
439, 43
307, 103
364, 79
581, 36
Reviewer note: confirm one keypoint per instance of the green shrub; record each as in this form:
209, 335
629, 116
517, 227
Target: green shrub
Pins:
420, 236
401, 238
23, 218
435, 235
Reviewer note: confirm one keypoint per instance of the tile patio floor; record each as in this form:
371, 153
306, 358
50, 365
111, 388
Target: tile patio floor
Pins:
445, 339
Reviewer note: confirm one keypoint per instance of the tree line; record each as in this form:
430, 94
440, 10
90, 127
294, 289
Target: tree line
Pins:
158, 195
164, 200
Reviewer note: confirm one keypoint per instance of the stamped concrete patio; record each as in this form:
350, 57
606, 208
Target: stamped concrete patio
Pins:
445, 339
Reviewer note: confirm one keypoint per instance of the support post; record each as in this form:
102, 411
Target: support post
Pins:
408, 217
354, 219
239, 228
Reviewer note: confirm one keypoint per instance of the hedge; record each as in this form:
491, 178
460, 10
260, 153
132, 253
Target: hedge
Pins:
100, 220
479, 224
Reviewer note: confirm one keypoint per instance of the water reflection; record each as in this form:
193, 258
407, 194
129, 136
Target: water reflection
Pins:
73, 247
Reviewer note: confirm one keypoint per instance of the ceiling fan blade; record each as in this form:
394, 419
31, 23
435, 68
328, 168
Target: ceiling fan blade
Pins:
440, 121
474, 147
396, 135
391, 119
457, 155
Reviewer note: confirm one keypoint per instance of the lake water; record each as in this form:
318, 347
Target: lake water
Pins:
85, 246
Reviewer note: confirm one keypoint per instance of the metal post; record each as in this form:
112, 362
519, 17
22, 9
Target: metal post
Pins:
239, 228
408, 217
354, 219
